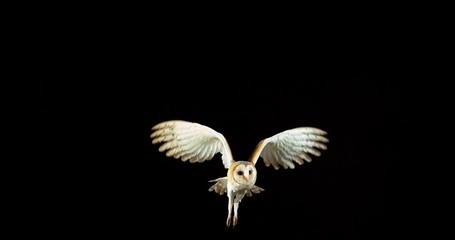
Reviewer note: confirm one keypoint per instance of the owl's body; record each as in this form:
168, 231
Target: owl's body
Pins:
240, 180
198, 143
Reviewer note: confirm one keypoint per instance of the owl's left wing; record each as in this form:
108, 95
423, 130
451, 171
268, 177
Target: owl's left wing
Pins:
287, 147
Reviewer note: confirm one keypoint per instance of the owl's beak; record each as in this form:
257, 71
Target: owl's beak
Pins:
246, 176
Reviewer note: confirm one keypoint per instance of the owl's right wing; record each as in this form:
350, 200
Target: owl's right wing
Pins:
190, 141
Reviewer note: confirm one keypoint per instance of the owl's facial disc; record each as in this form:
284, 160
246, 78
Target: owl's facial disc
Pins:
245, 174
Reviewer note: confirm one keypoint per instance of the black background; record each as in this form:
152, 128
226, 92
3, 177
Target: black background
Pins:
108, 82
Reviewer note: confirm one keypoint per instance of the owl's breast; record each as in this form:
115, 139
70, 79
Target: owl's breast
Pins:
239, 187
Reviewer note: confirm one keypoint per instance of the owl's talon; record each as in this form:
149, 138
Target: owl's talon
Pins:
234, 223
228, 221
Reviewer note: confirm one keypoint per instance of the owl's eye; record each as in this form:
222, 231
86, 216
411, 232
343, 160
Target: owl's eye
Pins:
240, 172
250, 172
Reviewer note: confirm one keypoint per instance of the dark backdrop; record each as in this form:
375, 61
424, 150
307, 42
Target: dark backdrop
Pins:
109, 83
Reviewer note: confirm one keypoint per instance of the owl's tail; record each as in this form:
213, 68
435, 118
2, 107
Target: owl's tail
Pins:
220, 187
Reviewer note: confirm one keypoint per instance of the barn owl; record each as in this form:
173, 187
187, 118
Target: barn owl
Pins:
193, 142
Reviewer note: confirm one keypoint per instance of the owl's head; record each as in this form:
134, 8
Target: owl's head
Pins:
242, 172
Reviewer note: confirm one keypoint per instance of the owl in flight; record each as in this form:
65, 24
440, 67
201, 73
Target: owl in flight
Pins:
194, 142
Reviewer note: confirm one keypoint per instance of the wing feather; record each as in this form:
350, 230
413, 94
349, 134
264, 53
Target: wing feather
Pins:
190, 141
294, 145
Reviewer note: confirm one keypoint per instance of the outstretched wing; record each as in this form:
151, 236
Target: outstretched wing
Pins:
190, 141
294, 145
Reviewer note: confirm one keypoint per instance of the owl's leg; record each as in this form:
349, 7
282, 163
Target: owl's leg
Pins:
236, 207
230, 204
237, 200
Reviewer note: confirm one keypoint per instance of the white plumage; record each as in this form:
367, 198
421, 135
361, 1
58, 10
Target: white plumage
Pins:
194, 142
